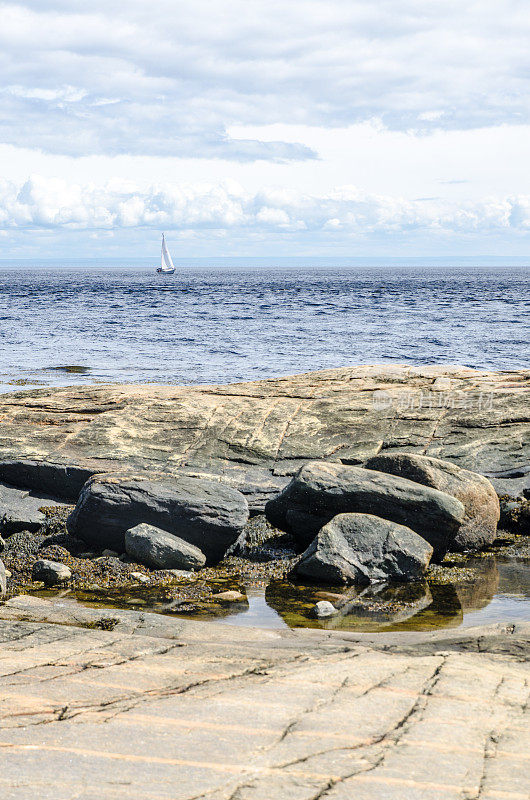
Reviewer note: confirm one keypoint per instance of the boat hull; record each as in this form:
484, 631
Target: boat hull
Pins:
165, 271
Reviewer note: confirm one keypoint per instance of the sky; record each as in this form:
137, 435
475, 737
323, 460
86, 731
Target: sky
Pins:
264, 128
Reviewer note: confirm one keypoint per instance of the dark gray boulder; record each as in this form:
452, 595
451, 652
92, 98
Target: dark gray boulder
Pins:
321, 490
50, 573
207, 514
362, 548
475, 492
159, 549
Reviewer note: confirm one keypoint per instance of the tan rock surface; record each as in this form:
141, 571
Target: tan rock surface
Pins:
161, 709
253, 434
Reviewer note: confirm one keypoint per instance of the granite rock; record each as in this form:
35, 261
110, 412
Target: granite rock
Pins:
50, 573
476, 493
19, 509
321, 490
161, 550
63, 480
230, 596
254, 436
323, 609
362, 548
204, 513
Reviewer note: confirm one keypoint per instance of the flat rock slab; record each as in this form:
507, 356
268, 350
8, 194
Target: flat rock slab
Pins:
254, 434
20, 509
217, 712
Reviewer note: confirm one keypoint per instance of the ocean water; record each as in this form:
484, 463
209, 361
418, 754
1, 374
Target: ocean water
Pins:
216, 324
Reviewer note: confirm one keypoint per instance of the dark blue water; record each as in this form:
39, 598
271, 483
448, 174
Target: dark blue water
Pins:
220, 325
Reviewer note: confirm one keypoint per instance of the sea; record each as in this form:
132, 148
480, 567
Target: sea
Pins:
219, 321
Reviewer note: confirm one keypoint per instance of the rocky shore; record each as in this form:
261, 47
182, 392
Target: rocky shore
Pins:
364, 475
388, 496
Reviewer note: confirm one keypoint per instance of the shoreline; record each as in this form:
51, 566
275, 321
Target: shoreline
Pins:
252, 437
121, 700
460, 585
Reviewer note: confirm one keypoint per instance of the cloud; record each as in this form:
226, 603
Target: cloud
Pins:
162, 78
345, 212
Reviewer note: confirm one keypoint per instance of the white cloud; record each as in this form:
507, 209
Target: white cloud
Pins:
43, 203
162, 78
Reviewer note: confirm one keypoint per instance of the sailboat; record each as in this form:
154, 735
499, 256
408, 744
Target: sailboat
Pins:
166, 267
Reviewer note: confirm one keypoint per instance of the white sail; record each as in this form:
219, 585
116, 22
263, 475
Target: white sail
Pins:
167, 263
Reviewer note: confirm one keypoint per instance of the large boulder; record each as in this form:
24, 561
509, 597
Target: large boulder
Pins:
207, 514
476, 493
321, 490
161, 550
361, 548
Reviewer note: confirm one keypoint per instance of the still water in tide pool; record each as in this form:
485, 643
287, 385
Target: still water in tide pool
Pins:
497, 591
61, 326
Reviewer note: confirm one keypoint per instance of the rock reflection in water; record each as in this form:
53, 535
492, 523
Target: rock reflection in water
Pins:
416, 606
477, 593
471, 591
412, 606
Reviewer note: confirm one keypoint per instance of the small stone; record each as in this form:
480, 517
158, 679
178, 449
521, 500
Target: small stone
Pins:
8, 572
323, 609
88, 554
110, 553
140, 577
230, 596
50, 572
3, 579
2, 544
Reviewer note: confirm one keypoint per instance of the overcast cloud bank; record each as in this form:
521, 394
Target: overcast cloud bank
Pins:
175, 82
169, 78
